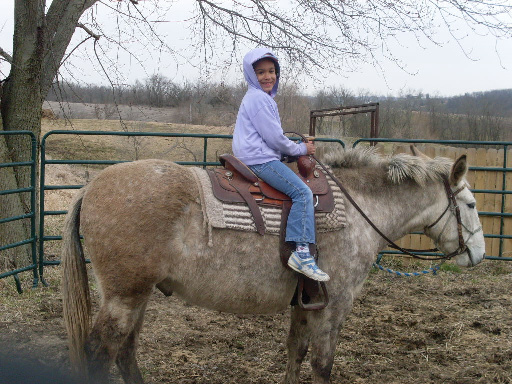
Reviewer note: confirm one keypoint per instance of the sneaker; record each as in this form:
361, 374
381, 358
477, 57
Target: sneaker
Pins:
307, 266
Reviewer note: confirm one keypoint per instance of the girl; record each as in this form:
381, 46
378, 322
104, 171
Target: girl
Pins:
259, 142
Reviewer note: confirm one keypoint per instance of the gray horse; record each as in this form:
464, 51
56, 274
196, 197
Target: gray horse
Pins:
143, 227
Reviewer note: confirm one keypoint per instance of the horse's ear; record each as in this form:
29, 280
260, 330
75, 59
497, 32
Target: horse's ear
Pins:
416, 152
459, 170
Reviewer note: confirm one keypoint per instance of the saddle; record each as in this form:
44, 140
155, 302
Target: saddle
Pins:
236, 183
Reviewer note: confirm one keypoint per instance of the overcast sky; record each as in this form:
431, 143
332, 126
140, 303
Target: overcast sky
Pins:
435, 70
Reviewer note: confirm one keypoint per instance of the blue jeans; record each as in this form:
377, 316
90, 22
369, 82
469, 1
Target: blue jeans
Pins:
301, 221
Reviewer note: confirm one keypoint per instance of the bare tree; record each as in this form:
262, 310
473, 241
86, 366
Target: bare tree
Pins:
312, 34
339, 35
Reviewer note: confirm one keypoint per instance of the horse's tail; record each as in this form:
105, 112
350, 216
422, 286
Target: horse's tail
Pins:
75, 287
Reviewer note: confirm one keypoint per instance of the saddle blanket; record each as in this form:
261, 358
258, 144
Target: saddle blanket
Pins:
237, 216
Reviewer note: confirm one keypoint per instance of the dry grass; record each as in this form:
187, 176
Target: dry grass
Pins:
131, 148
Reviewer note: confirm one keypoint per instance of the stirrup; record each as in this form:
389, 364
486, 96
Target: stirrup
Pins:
316, 306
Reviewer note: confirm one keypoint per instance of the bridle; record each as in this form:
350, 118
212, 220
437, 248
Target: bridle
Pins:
452, 206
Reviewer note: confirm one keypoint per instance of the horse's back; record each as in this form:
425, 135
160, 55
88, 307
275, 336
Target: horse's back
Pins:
138, 195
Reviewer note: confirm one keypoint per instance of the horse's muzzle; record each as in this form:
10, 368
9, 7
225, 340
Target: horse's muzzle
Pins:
471, 258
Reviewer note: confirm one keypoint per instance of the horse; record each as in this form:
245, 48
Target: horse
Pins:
143, 227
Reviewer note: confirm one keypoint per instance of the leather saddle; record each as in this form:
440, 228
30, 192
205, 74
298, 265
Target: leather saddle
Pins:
236, 183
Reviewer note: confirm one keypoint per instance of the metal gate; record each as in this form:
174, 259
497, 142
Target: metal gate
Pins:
208, 157
19, 216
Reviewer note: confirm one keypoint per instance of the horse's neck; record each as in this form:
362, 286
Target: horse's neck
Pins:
399, 209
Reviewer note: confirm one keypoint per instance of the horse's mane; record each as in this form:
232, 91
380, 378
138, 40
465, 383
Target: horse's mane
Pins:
398, 168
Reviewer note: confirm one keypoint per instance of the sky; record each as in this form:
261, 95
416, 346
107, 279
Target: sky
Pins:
436, 70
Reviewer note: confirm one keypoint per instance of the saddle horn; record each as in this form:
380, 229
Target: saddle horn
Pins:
306, 165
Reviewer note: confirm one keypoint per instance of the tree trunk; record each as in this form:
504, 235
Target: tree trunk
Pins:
21, 110
39, 44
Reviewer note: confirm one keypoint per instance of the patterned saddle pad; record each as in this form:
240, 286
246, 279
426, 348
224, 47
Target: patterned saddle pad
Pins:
237, 216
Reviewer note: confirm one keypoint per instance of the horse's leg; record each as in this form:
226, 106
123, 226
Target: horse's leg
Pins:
298, 341
116, 321
126, 361
323, 346
165, 286
325, 327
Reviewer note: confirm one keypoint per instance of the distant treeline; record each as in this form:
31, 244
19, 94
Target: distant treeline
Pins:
475, 116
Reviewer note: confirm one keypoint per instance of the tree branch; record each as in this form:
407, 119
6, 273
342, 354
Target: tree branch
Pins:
6, 56
94, 35
340, 34
62, 21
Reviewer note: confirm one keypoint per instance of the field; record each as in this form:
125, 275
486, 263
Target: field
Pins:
454, 327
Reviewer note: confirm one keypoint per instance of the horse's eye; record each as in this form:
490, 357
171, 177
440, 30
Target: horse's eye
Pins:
471, 205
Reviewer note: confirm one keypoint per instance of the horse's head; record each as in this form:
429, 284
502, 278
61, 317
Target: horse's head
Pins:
457, 231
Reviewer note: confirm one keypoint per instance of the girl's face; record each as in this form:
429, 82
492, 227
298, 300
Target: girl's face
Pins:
265, 70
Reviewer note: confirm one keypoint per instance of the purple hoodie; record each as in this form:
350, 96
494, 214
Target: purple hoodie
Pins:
258, 137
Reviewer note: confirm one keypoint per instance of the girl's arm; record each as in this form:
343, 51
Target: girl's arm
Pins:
269, 128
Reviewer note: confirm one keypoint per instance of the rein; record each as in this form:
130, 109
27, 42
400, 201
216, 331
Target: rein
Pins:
452, 203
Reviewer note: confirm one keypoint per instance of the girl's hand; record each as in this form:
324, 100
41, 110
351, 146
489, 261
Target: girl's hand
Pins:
310, 148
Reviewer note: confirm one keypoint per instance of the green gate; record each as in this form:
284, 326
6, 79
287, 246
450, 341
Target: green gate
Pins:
501, 217
207, 157
27, 215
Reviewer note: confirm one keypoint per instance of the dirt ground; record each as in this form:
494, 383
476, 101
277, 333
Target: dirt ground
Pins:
455, 327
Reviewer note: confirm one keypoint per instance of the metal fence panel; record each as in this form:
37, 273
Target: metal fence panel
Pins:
30, 215
490, 177
208, 157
